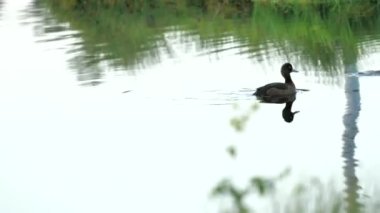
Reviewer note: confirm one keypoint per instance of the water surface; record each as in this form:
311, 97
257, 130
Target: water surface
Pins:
96, 120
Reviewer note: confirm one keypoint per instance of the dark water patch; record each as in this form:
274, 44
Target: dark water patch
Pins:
365, 73
91, 83
302, 90
61, 38
266, 49
369, 73
226, 49
56, 28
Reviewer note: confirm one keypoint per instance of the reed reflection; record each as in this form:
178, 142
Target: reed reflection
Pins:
132, 40
1, 8
352, 187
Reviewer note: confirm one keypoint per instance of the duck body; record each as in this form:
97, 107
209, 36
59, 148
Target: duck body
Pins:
278, 89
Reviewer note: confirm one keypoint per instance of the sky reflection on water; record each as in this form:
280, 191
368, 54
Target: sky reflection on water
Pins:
66, 147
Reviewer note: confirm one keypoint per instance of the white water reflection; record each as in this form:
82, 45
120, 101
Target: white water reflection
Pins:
160, 147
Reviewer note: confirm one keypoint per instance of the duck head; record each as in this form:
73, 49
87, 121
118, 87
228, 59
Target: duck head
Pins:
286, 69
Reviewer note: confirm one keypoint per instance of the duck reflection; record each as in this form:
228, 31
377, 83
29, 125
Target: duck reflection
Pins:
287, 113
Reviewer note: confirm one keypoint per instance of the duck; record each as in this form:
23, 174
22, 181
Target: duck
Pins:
278, 89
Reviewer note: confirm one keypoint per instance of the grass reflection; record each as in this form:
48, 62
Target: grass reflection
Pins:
260, 185
1, 8
239, 122
309, 196
323, 35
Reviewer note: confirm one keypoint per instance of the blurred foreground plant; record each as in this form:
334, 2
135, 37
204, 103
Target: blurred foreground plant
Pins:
239, 122
256, 185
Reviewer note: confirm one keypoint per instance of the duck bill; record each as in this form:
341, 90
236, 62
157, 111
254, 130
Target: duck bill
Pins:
295, 70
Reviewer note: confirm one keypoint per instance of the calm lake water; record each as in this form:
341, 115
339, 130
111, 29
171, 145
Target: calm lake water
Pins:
87, 129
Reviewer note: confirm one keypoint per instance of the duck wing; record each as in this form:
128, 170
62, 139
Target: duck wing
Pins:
277, 85
262, 91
